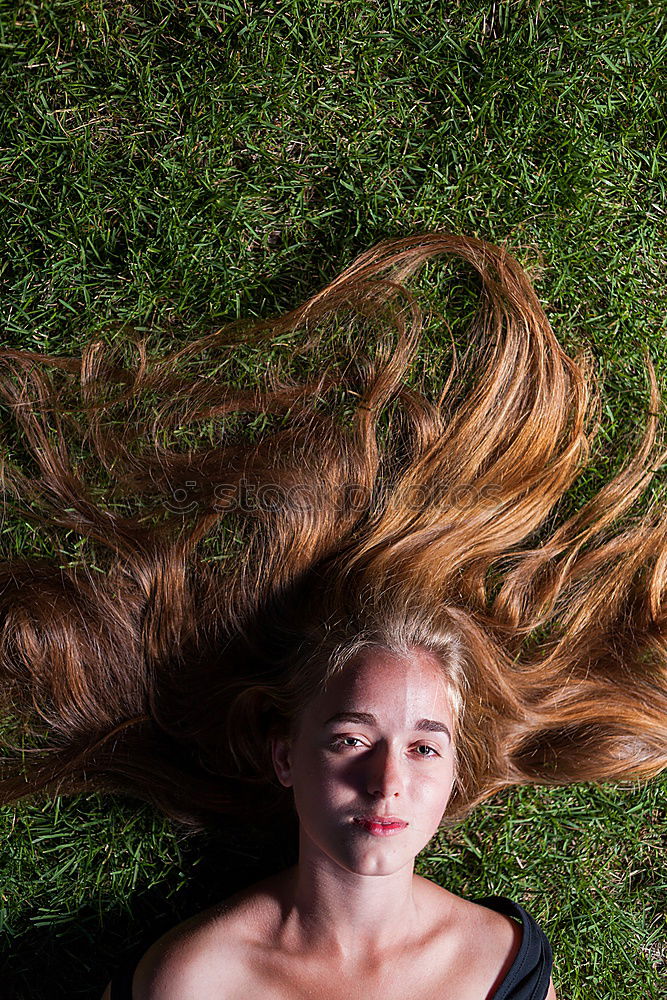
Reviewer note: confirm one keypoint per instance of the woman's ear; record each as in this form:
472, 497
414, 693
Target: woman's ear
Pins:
281, 756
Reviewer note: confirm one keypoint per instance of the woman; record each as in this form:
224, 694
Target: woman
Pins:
378, 553
352, 919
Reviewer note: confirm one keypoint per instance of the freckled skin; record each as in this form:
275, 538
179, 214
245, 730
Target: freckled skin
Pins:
384, 769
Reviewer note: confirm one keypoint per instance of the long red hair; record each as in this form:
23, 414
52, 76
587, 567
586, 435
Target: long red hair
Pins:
347, 507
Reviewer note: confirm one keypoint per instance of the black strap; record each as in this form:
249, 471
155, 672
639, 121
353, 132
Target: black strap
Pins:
529, 975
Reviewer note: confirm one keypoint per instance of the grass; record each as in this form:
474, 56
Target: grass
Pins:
174, 165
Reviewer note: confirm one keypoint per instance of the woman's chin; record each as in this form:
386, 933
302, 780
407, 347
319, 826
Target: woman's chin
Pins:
376, 860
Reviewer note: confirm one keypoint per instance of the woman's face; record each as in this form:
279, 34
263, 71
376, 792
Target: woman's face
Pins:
397, 761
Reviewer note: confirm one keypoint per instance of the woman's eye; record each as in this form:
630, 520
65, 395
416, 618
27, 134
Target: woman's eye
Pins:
340, 742
348, 742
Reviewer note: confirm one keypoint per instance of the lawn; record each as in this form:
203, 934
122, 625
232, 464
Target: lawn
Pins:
171, 166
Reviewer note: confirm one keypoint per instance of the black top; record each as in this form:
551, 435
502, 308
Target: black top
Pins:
527, 979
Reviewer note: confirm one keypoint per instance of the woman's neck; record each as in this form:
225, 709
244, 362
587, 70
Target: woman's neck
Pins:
357, 919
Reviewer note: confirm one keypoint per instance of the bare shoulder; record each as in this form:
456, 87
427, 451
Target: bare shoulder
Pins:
472, 922
507, 935
204, 955
502, 936
482, 943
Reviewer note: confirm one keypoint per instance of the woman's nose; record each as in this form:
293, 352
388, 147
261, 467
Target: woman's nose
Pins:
384, 772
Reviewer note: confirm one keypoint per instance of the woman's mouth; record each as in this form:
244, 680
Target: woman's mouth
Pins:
380, 826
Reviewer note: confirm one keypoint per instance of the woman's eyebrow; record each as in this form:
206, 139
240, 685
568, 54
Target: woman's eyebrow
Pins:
365, 718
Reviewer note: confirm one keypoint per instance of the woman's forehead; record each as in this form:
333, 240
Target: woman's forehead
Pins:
389, 682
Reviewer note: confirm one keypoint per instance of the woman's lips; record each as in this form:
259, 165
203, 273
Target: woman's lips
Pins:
384, 828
